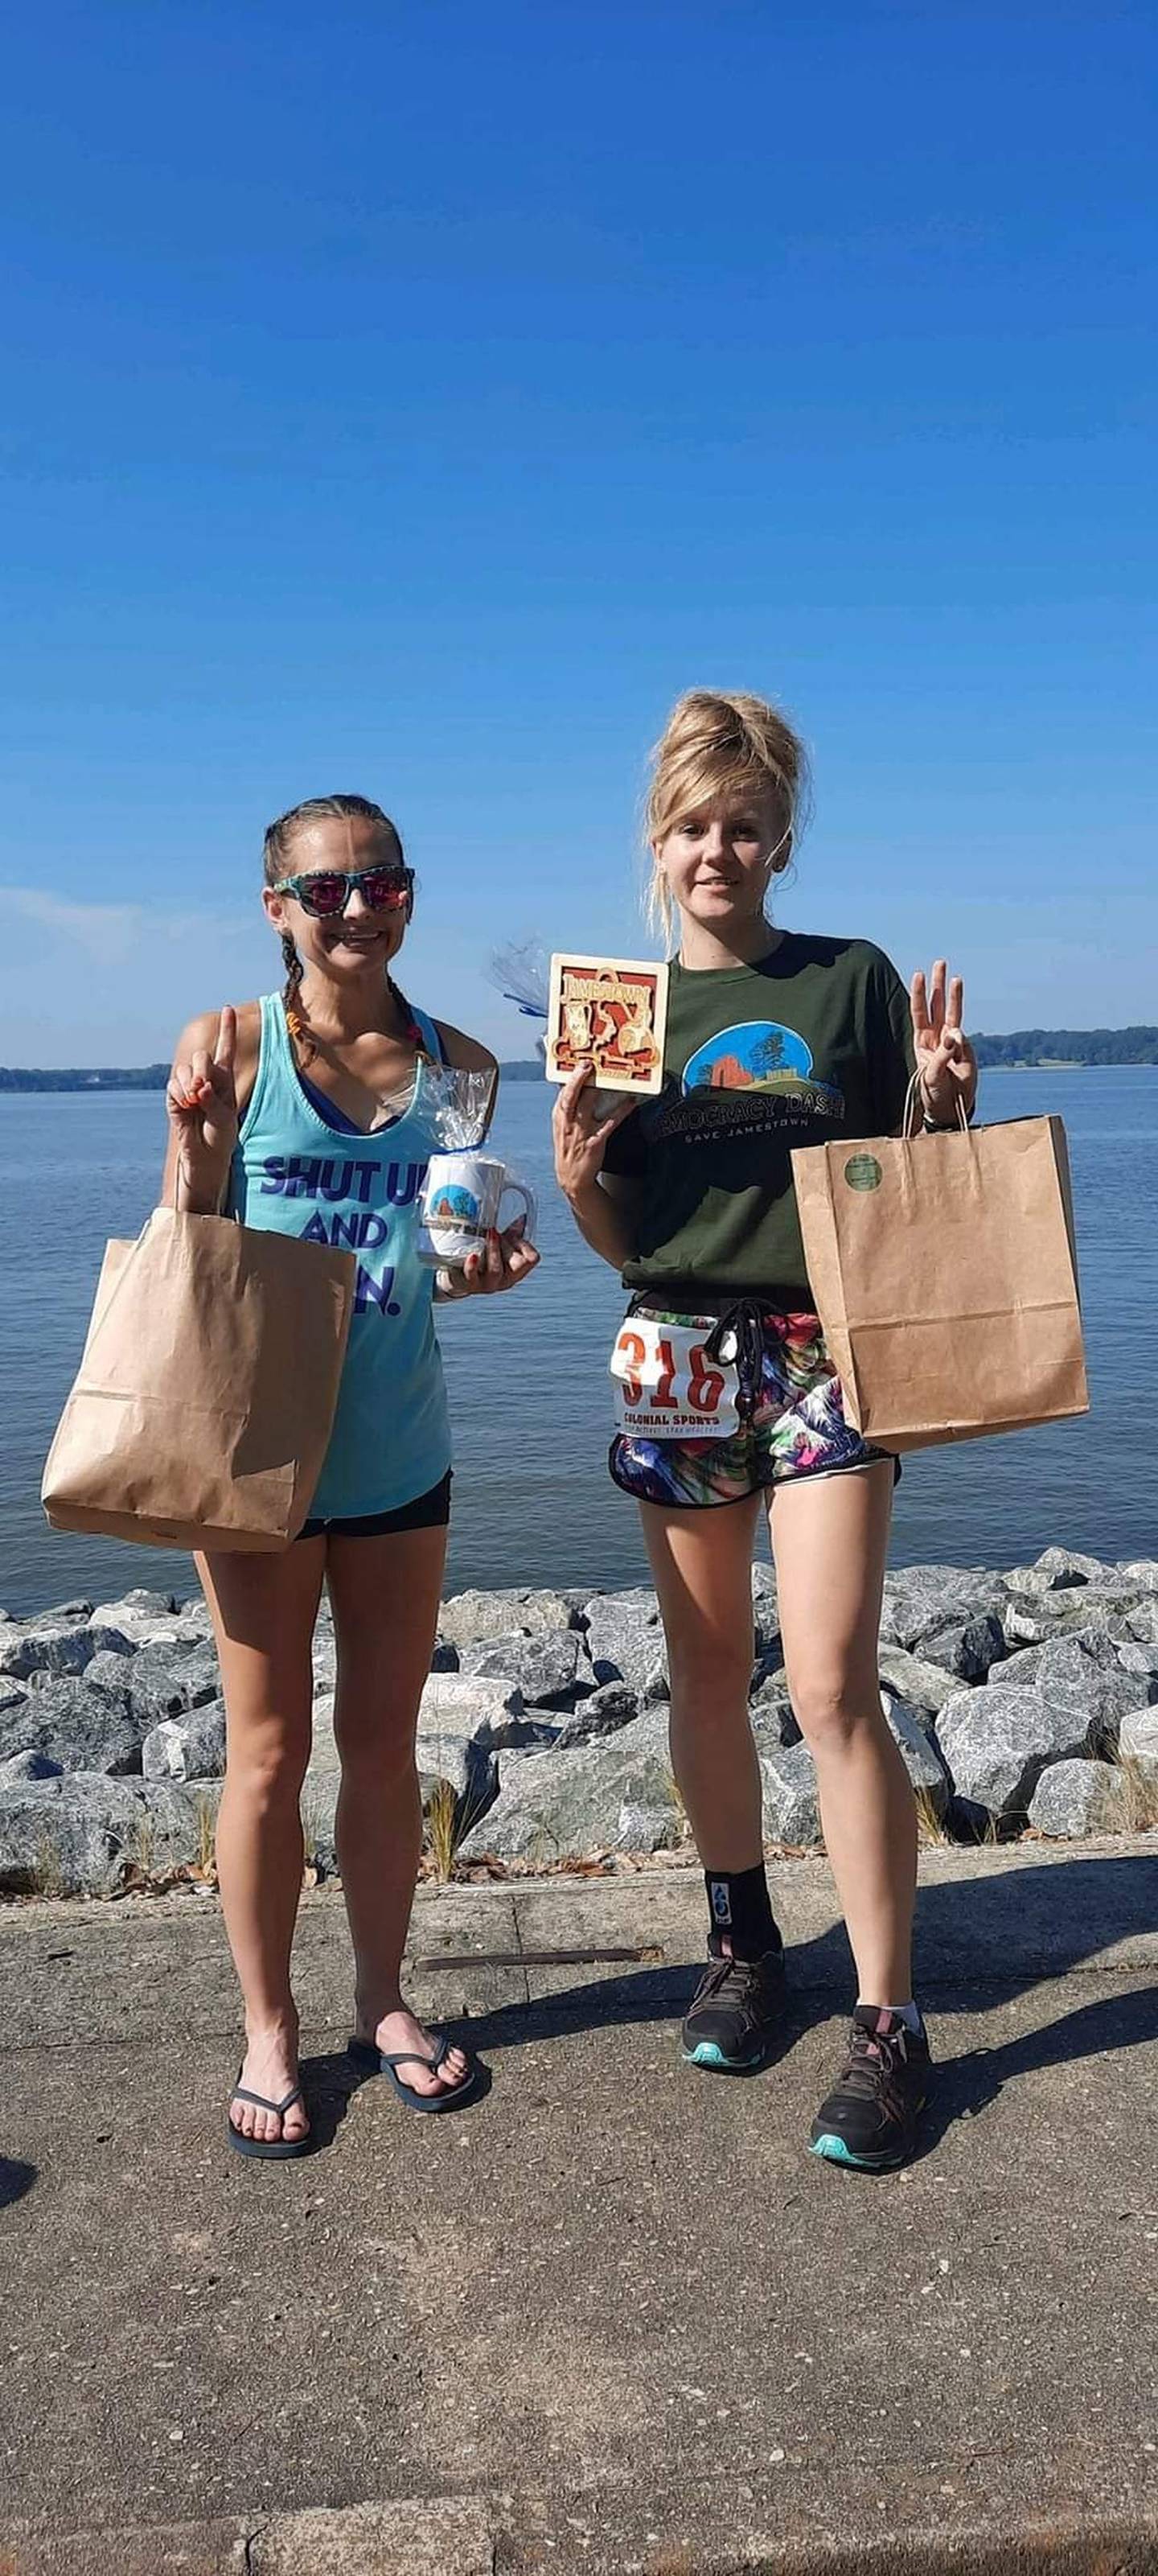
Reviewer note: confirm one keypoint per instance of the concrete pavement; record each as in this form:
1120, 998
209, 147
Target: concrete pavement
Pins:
613, 2317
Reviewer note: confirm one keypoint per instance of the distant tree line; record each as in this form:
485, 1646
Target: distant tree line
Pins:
141, 1077
1070, 1046
153, 1077
1023, 1046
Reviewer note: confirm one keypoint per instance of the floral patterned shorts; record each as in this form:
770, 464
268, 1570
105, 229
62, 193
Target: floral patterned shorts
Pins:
792, 1418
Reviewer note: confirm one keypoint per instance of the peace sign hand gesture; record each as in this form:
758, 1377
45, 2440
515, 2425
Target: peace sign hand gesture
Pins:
946, 1063
201, 1100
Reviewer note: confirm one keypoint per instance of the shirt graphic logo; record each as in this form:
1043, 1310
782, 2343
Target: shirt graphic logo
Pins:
755, 1074
755, 1055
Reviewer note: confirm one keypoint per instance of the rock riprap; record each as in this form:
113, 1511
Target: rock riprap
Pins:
1028, 1696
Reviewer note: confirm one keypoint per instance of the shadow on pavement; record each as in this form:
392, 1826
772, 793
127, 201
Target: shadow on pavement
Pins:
966, 2085
1075, 1908
15, 2179
331, 2082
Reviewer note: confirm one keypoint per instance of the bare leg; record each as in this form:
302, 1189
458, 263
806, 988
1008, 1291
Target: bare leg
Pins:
385, 1593
702, 1563
264, 1609
830, 1537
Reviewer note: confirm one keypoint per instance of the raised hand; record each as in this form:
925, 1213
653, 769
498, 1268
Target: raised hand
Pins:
946, 1063
580, 1134
201, 1100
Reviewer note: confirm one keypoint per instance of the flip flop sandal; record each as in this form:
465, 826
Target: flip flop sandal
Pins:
380, 2061
270, 2149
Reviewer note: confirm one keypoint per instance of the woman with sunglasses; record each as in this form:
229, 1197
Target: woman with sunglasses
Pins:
303, 1113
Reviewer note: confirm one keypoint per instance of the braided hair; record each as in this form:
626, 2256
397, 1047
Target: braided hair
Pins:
278, 841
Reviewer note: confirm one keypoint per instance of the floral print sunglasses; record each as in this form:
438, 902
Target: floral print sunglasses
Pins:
326, 893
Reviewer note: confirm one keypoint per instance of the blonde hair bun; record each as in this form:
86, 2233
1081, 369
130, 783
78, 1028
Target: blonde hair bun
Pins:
718, 743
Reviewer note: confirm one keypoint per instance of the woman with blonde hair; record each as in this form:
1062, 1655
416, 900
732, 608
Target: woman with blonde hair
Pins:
775, 1039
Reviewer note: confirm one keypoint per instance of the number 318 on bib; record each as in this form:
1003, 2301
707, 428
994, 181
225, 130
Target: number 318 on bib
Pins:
666, 1384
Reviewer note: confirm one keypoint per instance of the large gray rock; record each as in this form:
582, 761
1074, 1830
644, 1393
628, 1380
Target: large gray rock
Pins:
765, 1614
28, 1766
967, 1648
462, 1721
77, 1726
923, 1685
165, 1681
548, 1669
791, 1808
1064, 1566
60, 1646
771, 1713
919, 1751
1073, 1798
1138, 1739
1142, 1572
1134, 1658
1033, 1582
469, 1615
144, 1617
920, 1599
81, 1836
603, 1712
1082, 1675
1061, 1613
191, 1747
1142, 1622
626, 1643
567, 1804
998, 1742
470, 1704
1029, 1662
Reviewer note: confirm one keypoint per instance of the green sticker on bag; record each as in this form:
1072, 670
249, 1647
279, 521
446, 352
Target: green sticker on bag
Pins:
863, 1172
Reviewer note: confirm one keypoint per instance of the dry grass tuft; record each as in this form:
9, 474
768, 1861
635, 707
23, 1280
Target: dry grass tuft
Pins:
206, 1861
930, 1826
1141, 1780
447, 1821
442, 1836
47, 1876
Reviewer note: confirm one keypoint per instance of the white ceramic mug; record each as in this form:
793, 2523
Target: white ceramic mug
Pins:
460, 1206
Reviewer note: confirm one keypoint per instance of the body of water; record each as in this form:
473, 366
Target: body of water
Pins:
527, 1372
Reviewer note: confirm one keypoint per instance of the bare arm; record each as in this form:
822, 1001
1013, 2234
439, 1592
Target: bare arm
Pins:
202, 1105
601, 1203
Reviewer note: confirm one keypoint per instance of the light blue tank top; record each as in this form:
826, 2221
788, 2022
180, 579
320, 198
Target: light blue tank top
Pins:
294, 1174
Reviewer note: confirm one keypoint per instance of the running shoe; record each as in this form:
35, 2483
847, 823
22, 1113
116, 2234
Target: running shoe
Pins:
870, 2117
736, 2014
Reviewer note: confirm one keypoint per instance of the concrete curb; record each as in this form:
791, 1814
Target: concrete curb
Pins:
430, 2536
459, 2536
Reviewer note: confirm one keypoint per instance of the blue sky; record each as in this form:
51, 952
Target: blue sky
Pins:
416, 400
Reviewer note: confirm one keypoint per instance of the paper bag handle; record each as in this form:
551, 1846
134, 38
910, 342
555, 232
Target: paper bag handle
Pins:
912, 1095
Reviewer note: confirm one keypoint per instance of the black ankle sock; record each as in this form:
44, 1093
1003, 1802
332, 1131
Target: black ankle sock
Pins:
740, 1912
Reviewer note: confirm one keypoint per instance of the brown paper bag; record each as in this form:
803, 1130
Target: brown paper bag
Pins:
205, 1397
944, 1274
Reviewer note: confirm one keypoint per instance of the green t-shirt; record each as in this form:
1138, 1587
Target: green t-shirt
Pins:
812, 1044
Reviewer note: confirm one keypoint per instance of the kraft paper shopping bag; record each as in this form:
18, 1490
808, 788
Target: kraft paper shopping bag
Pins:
944, 1273
205, 1397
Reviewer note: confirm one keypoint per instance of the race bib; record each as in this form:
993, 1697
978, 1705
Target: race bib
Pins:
666, 1388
